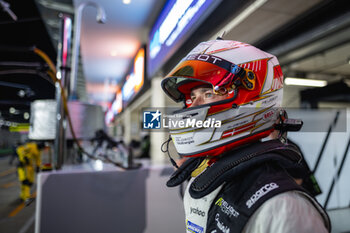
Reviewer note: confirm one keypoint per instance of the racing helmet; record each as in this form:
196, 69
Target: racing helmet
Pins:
251, 81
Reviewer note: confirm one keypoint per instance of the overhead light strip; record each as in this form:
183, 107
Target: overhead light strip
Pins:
239, 18
305, 82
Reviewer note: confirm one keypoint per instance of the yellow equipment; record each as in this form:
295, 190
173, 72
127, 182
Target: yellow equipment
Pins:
29, 162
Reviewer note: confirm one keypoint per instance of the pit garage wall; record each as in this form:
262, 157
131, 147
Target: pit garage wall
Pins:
324, 142
83, 199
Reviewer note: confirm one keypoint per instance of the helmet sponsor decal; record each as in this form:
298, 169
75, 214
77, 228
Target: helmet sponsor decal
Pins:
269, 115
205, 57
244, 128
277, 82
183, 140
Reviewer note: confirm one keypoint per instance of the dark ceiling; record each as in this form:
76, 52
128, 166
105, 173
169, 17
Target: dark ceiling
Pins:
23, 73
321, 14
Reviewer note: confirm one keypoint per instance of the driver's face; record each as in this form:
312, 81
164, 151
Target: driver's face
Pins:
204, 95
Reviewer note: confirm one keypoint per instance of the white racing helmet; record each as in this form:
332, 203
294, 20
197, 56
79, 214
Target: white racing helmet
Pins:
252, 82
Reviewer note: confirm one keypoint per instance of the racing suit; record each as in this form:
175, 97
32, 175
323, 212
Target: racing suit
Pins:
248, 190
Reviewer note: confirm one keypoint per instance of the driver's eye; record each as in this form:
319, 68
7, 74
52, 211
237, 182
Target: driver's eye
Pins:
208, 95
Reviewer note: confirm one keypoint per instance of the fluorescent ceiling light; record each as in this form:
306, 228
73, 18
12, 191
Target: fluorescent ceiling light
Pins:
126, 1
305, 82
113, 53
26, 116
12, 110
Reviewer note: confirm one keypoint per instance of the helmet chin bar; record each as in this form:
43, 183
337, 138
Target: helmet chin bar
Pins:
220, 150
193, 141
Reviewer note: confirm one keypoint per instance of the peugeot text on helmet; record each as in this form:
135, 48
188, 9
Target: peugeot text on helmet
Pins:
252, 82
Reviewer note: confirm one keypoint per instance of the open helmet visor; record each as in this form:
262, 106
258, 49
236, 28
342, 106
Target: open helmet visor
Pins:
196, 70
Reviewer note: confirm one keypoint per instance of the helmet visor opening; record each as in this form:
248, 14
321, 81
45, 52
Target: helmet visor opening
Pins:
191, 71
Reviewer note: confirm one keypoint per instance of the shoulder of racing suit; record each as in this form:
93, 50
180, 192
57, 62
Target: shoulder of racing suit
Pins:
232, 163
251, 175
241, 196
